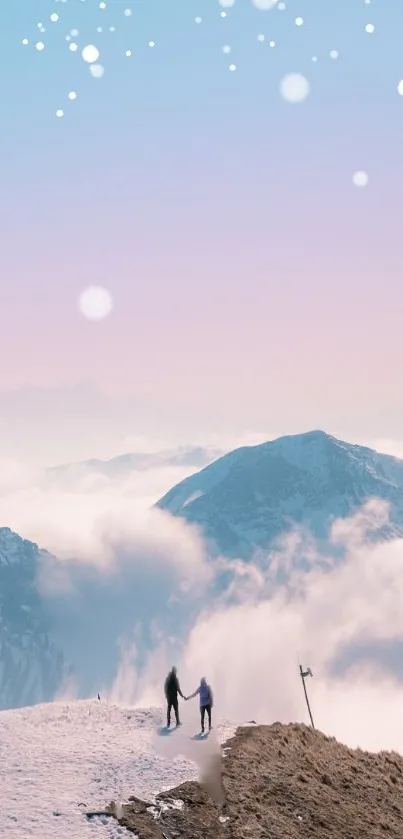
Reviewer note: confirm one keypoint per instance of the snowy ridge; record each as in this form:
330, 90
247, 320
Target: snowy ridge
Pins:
248, 498
66, 758
31, 667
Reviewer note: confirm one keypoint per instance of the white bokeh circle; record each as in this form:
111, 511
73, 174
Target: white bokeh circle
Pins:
95, 302
97, 71
294, 88
360, 178
90, 54
264, 5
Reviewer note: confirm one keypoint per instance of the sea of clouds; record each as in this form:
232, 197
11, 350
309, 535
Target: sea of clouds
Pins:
132, 592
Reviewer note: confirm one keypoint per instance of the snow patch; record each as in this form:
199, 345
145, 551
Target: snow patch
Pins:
192, 498
67, 760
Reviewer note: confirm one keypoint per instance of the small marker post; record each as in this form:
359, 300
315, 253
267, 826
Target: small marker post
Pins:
304, 674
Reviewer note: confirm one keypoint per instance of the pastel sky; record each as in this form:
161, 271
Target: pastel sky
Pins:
255, 287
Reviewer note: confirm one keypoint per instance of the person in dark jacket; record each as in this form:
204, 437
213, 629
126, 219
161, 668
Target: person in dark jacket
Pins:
172, 688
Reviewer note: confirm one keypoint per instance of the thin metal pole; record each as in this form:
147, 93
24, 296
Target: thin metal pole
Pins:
303, 677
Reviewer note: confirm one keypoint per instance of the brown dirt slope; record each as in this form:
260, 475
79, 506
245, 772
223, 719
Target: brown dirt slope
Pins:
281, 782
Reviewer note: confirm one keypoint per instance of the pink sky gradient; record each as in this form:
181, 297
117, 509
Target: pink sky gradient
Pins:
255, 287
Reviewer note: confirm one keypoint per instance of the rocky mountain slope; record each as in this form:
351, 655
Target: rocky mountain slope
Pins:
31, 667
247, 498
279, 782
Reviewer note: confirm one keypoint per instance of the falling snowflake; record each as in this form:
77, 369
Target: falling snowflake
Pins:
299, 21
264, 5
360, 178
97, 70
294, 88
370, 28
90, 53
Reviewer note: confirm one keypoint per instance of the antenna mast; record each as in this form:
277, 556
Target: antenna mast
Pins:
304, 674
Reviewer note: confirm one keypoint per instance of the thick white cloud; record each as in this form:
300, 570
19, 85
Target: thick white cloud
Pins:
138, 586
251, 650
123, 571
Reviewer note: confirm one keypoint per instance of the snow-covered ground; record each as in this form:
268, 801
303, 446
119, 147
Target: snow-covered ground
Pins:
60, 759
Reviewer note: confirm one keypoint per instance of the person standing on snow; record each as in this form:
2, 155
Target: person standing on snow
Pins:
172, 688
206, 701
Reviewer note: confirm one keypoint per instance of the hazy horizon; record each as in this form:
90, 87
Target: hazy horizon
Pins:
45, 427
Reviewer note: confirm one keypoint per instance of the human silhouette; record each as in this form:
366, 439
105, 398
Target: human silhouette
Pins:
206, 701
172, 688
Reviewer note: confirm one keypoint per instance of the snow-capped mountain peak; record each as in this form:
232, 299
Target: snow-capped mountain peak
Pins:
247, 498
14, 550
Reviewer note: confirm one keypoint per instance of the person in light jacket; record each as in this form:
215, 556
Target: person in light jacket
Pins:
206, 701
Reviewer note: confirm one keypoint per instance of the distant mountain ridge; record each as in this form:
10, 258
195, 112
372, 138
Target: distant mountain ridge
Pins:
246, 499
185, 456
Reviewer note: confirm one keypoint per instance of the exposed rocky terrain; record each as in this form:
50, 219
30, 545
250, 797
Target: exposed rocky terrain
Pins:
279, 782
